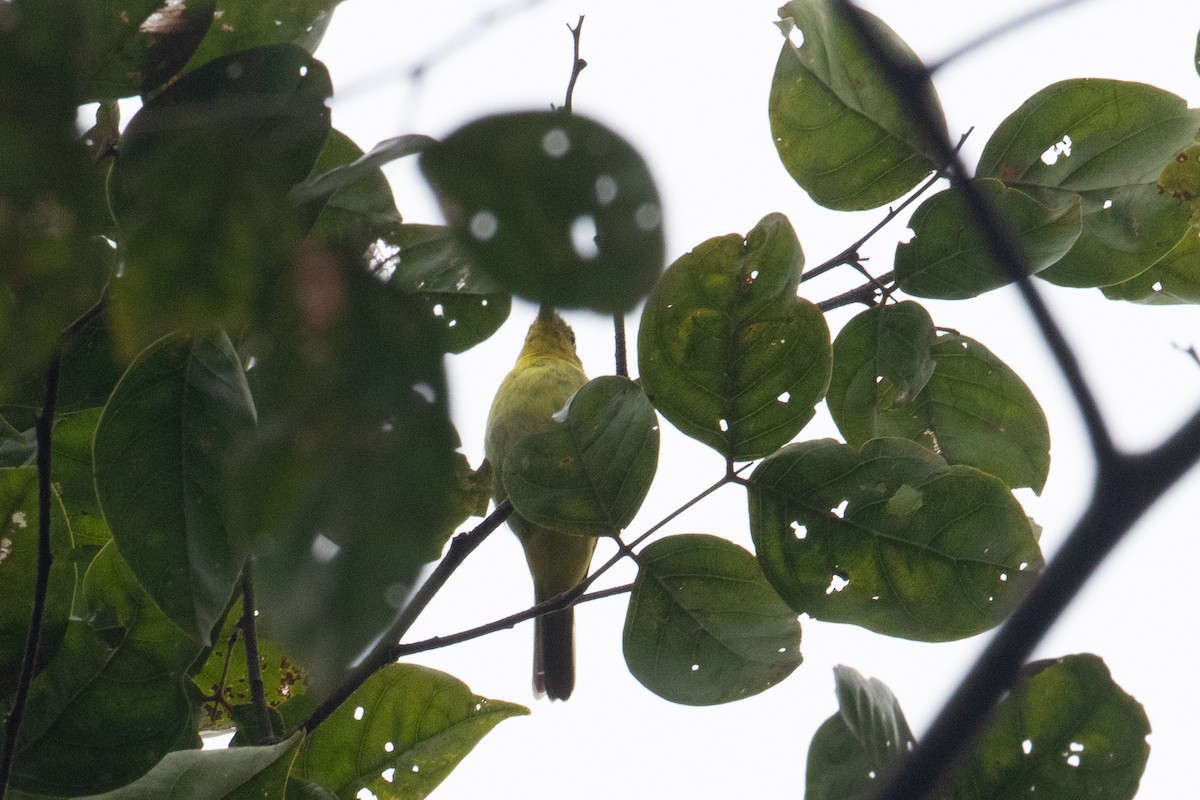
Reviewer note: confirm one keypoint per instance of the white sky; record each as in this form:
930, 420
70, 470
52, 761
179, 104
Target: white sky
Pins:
687, 84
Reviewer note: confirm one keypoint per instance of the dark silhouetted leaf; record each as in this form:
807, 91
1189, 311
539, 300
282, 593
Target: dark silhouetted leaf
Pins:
235, 134
1067, 732
592, 469
556, 208
946, 257
400, 734
113, 700
892, 538
356, 211
239, 773
727, 352
840, 131
1106, 141
704, 626
161, 485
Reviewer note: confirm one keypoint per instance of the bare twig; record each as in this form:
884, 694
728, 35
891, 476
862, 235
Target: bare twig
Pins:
577, 65
258, 695
44, 428
619, 354
988, 36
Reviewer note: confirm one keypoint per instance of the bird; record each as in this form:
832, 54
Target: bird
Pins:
547, 374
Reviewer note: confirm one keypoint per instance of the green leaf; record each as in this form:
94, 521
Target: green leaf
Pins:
113, 700
840, 131
1174, 278
892, 539
591, 471
19, 520
973, 409
1106, 141
161, 484
352, 484
134, 46
704, 626
1068, 732
201, 257
326, 182
727, 351
947, 259
357, 210
881, 357
225, 673
243, 26
75, 479
429, 263
859, 743
50, 203
239, 773
555, 207
400, 734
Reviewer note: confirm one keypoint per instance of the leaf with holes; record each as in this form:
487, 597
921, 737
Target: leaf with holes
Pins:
236, 773
1108, 142
858, 744
727, 351
161, 485
203, 257
399, 734
973, 410
113, 700
841, 132
19, 521
591, 471
556, 208
881, 357
1174, 278
890, 538
1068, 731
704, 626
947, 259
243, 26
429, 263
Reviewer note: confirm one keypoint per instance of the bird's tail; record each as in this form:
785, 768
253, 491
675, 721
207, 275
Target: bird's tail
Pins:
554, 654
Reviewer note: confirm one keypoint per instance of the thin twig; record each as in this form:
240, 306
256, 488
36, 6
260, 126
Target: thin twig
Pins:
995, 33
461, 546
44, 428
619, 354
258, 694
577, 65
867, 294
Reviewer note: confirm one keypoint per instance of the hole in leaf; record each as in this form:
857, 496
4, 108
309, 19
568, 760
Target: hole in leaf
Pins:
416, 768
388, 747
1072, 760
325, 549
426, 391
796, 37
583, 237
556, 143
303, 70
723, 425
484, 225
754, 275
358, 712
838, 583
800, 531
606, 189
1107, 204
1027, 746
695, 667
839, 510
1003, 576
1158, 287
1061, 148
1024, 565
388, 774
648, 216
785, 397
1076, 747
438, 310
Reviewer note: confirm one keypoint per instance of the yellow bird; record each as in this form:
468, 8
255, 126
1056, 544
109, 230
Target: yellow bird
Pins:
546, 374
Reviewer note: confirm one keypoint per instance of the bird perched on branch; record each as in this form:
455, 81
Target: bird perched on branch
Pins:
546, 375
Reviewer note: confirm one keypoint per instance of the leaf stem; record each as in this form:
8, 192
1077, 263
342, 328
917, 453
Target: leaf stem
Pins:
44, 428
461, 546
258, 695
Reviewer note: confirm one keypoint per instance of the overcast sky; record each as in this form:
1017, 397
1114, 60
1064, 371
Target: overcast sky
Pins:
687, 84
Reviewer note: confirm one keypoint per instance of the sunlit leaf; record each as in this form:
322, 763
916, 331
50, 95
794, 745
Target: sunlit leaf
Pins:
19, 520
113, 700
555, 207
351, 485
892, 538
1106, 141
841, 132
947, 258
239, 773
75, 478
1068, 732
161, 485
235, 134
859, 743
727, 351
429, 263
592, 469
704, 626
399, 735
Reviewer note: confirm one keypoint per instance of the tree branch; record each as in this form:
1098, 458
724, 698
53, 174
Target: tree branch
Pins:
44, 428
258, 695
619, 348
577, 64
